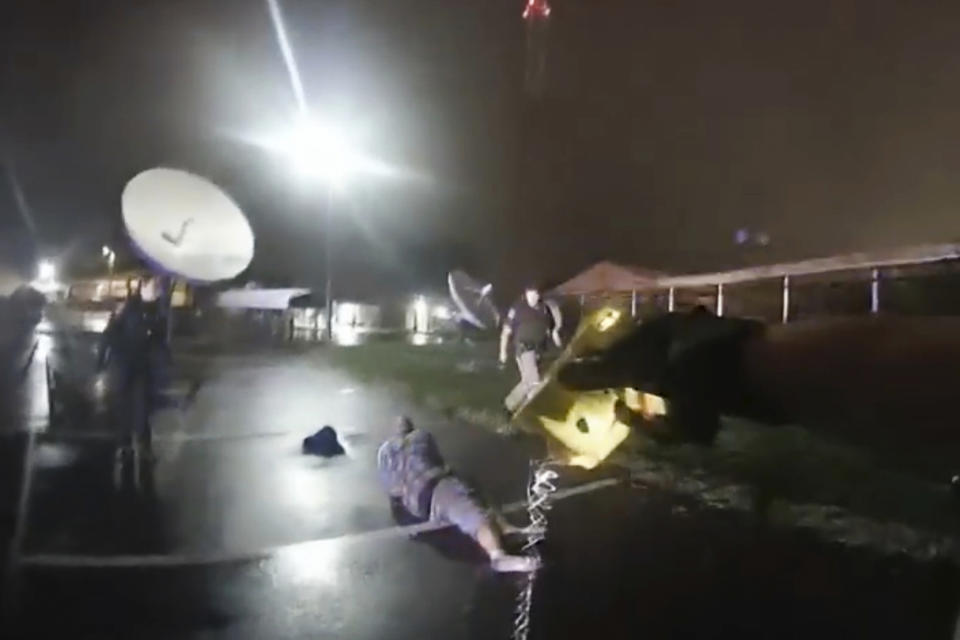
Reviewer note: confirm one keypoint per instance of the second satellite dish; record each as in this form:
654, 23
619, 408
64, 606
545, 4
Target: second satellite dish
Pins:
186, 225
473, 300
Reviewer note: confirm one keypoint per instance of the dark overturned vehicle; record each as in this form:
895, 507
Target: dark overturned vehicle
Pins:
870, 380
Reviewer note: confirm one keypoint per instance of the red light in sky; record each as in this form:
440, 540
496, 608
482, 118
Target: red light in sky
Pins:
536, 9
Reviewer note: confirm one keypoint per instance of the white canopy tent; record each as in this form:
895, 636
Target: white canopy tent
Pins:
262, 299
609, 277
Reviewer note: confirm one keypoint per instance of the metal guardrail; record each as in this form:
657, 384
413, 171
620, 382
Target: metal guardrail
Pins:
867, 261
872, 266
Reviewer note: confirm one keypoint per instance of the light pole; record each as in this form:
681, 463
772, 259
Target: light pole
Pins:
111, 257
320, 151
328, 263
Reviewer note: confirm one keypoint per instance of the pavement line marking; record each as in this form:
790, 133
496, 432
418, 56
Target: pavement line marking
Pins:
11, 579
205, 437
162, 437
68, 561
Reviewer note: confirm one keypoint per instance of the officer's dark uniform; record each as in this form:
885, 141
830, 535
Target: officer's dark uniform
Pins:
127, 349
530, 328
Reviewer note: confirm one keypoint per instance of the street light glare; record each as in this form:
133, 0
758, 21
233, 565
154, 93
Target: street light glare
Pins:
321, 150
46, 271
110, 255
420, 306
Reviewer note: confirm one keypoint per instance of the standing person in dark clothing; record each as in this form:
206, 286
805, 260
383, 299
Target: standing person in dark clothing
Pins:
530, 322
125, 351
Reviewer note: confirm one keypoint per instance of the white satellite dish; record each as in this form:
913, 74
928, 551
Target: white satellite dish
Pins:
186, 226
473, 300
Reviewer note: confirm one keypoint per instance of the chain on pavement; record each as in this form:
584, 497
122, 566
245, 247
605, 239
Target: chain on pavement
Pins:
539, 493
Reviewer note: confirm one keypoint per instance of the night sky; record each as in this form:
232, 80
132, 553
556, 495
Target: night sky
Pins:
662, 129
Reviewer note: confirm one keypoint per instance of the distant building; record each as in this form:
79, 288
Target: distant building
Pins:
116, 287
429, 314
309, 314
88, 303
290, 313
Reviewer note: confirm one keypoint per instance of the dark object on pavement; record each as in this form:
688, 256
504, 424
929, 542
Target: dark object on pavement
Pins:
323, 443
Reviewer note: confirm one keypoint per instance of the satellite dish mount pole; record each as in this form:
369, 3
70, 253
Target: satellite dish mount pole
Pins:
170, 284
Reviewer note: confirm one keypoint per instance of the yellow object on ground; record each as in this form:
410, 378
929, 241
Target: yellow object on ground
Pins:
581, 427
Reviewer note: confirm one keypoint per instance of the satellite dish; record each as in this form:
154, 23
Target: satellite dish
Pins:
473, 300
186, 226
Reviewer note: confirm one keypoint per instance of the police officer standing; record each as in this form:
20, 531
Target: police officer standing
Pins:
530, 322
127, 350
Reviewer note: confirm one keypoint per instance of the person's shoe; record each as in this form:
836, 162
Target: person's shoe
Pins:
515, 564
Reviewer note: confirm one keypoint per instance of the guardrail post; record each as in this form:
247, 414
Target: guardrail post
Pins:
875, 291
671, 299
720, 299
633, 303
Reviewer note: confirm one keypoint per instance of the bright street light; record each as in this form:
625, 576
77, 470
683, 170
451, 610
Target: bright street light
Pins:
110, 255
46, 271
46, 282
324, 151
321, 150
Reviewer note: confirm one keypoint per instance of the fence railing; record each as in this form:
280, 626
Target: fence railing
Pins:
913, 281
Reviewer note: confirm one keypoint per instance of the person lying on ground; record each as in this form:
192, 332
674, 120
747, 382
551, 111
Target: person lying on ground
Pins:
414, 473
